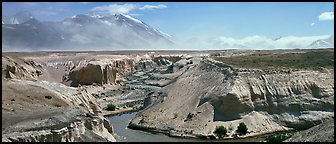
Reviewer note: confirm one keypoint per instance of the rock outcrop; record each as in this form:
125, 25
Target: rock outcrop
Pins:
81, 120
99, 72
323, 132
17, 68
211, 93
91, 130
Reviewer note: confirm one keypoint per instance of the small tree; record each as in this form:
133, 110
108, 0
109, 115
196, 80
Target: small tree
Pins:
111, 107
220, 131
242, 128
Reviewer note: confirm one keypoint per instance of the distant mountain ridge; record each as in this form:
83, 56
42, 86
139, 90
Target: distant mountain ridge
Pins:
323, 43
82, 31
18, 18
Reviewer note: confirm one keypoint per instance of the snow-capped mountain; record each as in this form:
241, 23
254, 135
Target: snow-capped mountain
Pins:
323, 43
84, 32
18, 18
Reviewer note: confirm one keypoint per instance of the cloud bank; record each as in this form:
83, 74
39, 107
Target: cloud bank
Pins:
151, 7
326, 16
249, 42
115, 8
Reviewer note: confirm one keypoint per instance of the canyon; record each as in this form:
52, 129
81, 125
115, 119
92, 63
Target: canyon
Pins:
63, 96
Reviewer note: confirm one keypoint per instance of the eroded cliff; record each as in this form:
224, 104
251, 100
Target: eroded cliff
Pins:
212, 93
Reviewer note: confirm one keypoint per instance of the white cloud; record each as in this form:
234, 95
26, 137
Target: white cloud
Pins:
326, 16
312, 24
151, 7
261, 42
115, 8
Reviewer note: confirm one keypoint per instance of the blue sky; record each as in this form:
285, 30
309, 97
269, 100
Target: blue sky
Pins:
200, 19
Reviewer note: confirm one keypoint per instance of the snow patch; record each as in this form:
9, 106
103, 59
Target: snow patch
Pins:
134, 19
96, 16
107, 22
165, 34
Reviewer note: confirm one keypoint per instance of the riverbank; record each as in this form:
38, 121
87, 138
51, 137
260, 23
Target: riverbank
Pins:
173, 133
124, 133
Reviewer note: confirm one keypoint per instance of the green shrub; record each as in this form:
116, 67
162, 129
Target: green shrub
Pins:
111, 107
48, 97
220, 130
132, 104
278, 138
190, 62
175, 115
57, 105
242, 128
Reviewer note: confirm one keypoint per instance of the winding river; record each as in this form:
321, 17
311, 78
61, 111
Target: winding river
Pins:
124, 134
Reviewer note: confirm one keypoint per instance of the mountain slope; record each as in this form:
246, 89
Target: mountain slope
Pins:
323, 43
18, 18
83, 32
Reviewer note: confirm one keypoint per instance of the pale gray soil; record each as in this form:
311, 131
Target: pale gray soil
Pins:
323, 132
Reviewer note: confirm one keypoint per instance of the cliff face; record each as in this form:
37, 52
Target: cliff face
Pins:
29, 79
74, 118
94, 130
294, 99
99, 72
211, 93
13, 67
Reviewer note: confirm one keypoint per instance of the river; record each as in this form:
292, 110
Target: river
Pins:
124, 134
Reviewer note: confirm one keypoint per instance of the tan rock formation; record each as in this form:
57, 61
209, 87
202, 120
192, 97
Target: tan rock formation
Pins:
266, 101
323, 132
80, 119
17, 68
88, 131
99, 72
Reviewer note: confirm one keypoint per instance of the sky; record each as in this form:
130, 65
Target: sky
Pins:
203, 20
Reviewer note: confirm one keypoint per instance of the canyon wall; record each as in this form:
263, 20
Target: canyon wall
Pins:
91, 130
99, 72
212, 93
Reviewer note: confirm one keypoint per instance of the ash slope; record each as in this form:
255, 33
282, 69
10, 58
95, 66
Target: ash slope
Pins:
323, 132
211, 94
80, 32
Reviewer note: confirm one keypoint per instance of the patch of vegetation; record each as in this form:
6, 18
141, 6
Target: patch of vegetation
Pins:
242, 128
48, 97
111, 107
278, 137
131, 104
220, 131
175, 115
189, 117
58, 105
190, 62
312, 60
